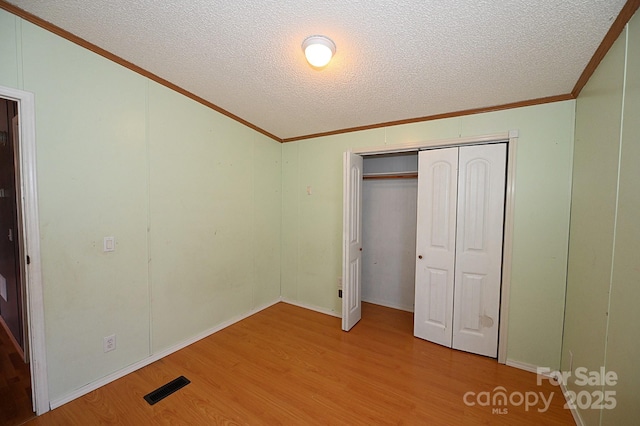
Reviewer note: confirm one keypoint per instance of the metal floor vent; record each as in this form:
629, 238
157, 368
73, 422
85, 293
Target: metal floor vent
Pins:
165, 390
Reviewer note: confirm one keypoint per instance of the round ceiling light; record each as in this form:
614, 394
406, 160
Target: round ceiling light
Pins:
318, 50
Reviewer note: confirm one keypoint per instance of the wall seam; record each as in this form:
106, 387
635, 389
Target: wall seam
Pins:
19, 55
615, 217
148, 233
566, 271
254, 207
298, 221
281, 216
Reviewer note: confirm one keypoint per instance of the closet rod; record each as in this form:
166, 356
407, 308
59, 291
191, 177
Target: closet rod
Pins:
391, 176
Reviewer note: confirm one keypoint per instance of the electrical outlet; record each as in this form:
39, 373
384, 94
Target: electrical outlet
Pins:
339, 283
109, 343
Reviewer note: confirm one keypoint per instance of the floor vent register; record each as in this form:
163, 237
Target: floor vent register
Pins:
165, 390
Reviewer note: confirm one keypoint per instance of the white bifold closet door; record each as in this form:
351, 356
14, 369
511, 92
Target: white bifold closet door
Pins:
459, 246
436, 244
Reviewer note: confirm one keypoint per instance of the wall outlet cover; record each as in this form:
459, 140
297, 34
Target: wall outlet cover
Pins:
109, 343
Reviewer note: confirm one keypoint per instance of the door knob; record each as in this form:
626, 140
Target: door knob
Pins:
420, 257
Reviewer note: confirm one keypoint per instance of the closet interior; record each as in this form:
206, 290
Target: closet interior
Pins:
389, 200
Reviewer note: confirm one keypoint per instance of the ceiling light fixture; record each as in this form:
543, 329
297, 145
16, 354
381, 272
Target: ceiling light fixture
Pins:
318, 49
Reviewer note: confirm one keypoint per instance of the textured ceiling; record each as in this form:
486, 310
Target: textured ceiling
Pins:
395, 59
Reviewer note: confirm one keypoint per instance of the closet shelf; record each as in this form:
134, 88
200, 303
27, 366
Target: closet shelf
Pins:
405, 175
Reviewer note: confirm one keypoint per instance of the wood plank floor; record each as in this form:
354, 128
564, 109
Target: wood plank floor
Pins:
288, 365
15, 384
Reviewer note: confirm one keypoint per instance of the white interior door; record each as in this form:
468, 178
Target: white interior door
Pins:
480, 218
352, 241
435, 244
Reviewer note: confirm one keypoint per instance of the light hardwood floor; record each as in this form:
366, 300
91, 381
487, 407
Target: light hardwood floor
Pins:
288, 365
15, 384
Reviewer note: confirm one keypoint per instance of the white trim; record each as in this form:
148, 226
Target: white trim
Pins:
153, 358
511, 138
525, 366
572, 407
507, 248
535, 370
416, 146
31, 232
386, 304
311, 307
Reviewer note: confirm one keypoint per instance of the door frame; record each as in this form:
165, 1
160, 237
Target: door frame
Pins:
28, 211
511, 138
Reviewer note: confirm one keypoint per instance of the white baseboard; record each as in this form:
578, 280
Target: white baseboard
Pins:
311, 307
534, 369
387, 304
574, 411
523, 366
153, 358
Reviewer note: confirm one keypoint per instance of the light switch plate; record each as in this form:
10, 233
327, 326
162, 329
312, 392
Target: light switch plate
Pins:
109, 244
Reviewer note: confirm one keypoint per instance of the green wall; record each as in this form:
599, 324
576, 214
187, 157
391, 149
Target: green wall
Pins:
214, 197
312, 231
593, 216
213, 219
602, 286
192, 198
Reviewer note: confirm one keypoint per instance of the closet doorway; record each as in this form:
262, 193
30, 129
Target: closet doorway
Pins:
389, 206
380, 171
